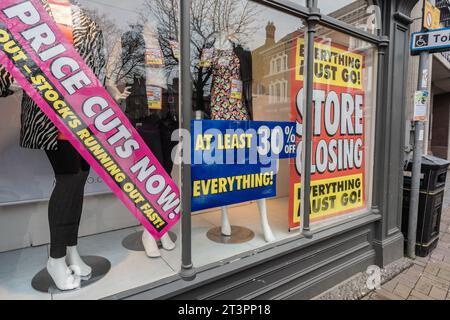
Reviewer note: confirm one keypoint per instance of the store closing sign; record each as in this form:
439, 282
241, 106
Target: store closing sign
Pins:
45, 64
338, 155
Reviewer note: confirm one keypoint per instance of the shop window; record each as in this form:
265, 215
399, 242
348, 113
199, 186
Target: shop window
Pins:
262, 41
362, 14
42, 177
247, 63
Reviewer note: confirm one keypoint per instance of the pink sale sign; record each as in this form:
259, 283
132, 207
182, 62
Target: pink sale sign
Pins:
52, 73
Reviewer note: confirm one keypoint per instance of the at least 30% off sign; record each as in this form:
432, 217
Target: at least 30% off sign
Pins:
236, 161
278, 141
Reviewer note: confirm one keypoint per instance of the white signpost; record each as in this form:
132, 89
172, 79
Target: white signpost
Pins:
432, 41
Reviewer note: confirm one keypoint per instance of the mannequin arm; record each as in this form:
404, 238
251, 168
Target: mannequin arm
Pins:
114, 91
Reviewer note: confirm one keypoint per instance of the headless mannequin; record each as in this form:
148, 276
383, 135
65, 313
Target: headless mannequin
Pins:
149, 243
68, 270
223, 43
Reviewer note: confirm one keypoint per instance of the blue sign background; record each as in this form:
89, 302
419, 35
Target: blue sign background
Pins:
206, 164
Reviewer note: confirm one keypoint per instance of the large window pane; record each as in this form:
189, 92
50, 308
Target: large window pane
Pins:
44, 182
269, 39
343, 124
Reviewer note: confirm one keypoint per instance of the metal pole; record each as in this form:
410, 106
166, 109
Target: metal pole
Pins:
417, 162
419, 133
187, 271
307, 120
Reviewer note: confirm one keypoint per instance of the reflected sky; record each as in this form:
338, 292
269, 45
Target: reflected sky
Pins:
124, 13
329, 6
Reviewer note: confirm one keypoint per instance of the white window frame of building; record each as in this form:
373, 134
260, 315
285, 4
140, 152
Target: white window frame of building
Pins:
278, 91
279, 63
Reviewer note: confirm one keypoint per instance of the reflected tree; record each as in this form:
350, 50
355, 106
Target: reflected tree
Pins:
208, 18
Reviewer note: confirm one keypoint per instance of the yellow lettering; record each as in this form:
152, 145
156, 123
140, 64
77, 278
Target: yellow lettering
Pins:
38, 80
196, 189
4, 36
83, 134
199, 144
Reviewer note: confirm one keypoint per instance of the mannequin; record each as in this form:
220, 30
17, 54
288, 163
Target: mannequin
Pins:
226, 61
153, 122
64, 265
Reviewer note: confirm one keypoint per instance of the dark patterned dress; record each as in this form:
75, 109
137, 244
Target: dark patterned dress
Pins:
226, 69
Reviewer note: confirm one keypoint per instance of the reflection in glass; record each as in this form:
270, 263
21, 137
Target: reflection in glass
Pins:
362, 14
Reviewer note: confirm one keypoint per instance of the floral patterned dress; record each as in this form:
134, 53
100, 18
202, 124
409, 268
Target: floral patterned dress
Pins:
226, 72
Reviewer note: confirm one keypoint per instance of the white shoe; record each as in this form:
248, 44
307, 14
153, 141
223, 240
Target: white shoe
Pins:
79, 267
150, 245
62, 275
167, 242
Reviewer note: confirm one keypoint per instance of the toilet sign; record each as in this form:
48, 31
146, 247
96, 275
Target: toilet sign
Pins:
433, 41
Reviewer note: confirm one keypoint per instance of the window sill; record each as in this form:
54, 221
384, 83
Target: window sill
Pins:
213, 271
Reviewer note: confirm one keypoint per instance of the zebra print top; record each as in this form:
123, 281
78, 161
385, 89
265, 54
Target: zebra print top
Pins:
37, 130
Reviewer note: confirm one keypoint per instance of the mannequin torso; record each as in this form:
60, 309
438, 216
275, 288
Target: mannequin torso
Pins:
226, 90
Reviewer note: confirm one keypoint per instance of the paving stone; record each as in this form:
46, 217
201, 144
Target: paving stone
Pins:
411, 297
423, 286
390, 286
432, 269
408, 280
439, 282
415, 270
402, 291
444, 274
421, 261
444, 251
437, 256
377, 297
386, 295
444, 265
422, 264
420, 296
437, 293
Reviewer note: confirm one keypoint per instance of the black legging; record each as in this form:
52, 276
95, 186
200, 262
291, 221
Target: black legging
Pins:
66, 202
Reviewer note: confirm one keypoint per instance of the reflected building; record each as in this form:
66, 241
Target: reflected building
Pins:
274, 61
271, 73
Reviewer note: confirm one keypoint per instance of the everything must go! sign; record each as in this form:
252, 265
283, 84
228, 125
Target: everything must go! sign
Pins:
52, 73
339, 145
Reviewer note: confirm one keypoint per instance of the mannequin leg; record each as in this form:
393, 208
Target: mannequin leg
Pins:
73, 258
76, 264
157, 135
65, 208
226, 227
167, 126
150, 245
62, 275
167, 242
61, 222
262, 206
